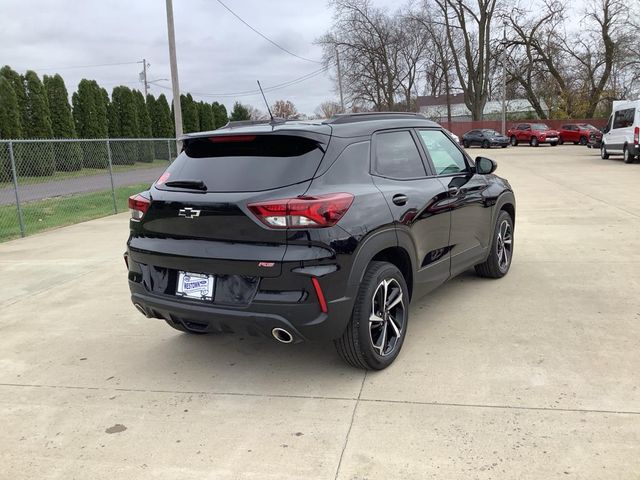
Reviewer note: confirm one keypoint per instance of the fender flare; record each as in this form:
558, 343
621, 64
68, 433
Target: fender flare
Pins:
504, 198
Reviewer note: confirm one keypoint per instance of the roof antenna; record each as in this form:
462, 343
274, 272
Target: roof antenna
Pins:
265, 102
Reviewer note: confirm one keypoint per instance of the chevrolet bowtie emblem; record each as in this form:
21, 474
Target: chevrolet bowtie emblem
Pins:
188, 212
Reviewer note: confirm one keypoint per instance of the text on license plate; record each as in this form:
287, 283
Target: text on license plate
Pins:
196, 285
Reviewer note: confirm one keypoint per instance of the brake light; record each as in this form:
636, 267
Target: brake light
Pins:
636, 135
304, 211
232, 138
138, 206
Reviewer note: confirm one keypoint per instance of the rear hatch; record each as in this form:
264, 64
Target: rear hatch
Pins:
198, 220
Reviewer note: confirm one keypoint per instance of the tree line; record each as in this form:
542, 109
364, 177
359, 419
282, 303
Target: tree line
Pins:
568, 60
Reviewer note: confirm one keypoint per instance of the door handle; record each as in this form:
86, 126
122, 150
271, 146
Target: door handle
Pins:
400, 199
453, 191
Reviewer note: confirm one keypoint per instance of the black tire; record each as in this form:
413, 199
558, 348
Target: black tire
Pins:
466, 144
626, 155
576, 143
499, 260
553, 144
181, 328
560, 140
486, 144
534, 142
603, 152
356, 345
514, 141
503, 146
583, 140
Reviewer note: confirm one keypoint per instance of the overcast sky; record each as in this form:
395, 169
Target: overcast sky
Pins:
216, 53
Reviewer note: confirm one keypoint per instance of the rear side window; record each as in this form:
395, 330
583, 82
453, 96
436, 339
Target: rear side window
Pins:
397, 156
624, 118
445, 156
246, 163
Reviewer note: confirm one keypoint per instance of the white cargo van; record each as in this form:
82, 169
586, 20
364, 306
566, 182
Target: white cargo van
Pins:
621, 136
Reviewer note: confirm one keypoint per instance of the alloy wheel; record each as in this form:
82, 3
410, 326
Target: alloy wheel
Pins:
504, 247
387, 319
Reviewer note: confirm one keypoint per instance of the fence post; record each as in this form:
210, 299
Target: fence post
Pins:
14, 174
169, 150
113, 190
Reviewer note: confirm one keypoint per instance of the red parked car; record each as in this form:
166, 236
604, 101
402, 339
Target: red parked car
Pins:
533, 133
578, 133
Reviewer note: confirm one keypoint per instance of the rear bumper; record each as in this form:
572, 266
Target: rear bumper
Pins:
305, 322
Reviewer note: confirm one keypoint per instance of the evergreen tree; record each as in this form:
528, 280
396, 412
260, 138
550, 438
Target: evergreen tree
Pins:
205, 117
123, 110
220, 114
17, 82
161, 124
239, 112
190, 121
68, 155
36, 159
10, 125
145, 148
89, 114
102, 107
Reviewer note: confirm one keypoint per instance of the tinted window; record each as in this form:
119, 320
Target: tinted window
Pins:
246, 163
624, 118
444, 154
491, 133
397, 156
523, 126
539, 127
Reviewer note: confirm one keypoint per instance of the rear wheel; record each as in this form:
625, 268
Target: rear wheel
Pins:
375, 334
626, 155
514, 141
534, 142
499, 261
603, 152
486, 144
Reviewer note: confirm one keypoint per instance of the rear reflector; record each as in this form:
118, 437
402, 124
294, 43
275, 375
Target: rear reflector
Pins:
319, 294
138, 206
303, 212
636, 135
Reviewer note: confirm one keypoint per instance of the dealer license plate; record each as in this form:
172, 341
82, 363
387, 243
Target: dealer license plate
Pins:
196, 285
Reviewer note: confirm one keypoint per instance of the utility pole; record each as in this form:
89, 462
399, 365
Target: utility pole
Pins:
504, 77
340, 81
144, 78
174, 73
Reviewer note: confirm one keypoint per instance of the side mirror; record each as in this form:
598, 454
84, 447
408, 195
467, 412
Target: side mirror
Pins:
485, 166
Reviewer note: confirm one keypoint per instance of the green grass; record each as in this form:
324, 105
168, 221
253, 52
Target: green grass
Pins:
85, 172
58, 212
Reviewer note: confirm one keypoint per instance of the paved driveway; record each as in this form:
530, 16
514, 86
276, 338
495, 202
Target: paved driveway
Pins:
535, 376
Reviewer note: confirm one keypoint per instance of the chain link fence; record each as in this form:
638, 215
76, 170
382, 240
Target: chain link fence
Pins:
52, 183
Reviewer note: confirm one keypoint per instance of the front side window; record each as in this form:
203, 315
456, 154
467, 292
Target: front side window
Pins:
446, 157
539, 127
397, 156
624, 118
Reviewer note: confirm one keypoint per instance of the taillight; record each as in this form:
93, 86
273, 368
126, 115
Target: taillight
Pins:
138, 206
636, 135
303, 212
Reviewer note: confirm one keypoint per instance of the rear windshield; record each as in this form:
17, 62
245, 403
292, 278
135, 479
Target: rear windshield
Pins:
245, 163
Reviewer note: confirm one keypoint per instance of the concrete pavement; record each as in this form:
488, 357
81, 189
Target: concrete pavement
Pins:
534, 376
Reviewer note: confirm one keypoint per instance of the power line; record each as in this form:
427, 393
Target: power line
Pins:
272, 88
265, 37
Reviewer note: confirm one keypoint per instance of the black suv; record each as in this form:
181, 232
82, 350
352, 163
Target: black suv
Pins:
316, 231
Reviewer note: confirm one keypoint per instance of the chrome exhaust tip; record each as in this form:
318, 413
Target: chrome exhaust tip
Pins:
141, 309
281, 335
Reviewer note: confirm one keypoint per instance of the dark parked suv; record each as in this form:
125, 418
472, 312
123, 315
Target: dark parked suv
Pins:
316, 231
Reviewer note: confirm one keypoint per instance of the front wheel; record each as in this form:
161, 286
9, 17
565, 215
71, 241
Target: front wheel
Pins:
486, 144
603, 152
553, 144
583, 140
378, 326
499, 261
560, 141
466, 144
534, 142
514, 141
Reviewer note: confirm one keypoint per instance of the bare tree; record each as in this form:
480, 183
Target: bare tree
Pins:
284, 109
327, 109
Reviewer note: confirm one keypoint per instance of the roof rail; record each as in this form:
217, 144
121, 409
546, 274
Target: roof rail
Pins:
367, 116
246, 123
